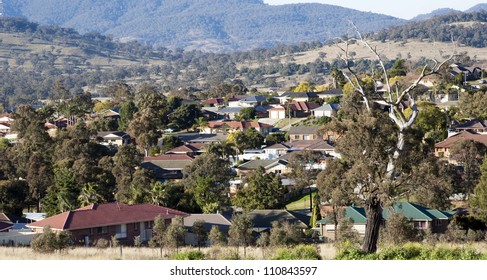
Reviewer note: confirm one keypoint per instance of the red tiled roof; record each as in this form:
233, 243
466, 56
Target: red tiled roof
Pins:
98, 215
277, 108
213, 101
464, 135
169, 157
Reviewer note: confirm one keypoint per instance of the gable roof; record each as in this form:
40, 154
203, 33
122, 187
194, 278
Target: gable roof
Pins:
262, 219
253, 99
169, 157
462, 136
304, 130
213, 101
328, 108
97, 215
472, 124
303, 106
210, 221
357, 214
266, 163
188, 148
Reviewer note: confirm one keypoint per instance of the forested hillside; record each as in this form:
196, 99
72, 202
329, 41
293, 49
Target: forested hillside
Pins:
211, 25
465, 28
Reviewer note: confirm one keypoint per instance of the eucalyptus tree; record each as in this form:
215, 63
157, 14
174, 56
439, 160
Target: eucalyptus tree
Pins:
378, 141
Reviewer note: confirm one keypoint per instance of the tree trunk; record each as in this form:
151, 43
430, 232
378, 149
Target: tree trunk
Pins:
373, 211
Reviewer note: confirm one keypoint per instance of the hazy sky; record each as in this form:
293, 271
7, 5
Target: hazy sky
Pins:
406, 9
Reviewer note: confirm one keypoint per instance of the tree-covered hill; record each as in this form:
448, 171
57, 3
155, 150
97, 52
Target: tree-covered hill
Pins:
212, 25
469, 29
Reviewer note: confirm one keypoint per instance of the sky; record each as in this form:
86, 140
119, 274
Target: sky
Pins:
397, 8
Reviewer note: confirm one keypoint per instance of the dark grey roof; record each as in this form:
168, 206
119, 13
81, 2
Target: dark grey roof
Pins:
263, 219
201, 138
229, 110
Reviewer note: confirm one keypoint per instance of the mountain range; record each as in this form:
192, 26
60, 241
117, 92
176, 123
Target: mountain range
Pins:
207, 25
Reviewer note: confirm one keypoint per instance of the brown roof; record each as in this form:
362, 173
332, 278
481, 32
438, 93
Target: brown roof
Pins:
303, 106
213, 101
462, 136
277, 108
169, 157
188, 148
114, 213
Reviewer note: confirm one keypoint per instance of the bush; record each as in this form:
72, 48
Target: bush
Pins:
411, 252
190, 255
102, 243
48, 241
300, 252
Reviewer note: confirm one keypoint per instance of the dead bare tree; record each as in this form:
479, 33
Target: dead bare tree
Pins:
394, 99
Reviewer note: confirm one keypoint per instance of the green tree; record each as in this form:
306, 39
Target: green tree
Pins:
301, 165
246, 114
207, 180
240, 233
261, 191
469, 154
13, 196
185, 116
89, 195
174, 237
479, 198
159, 233
398, 230
398, 68
216, 236
125, 163
284, 234
170, 142
200, 232
127, 111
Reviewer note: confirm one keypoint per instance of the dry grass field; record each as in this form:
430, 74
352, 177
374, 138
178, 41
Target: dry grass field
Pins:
327, 251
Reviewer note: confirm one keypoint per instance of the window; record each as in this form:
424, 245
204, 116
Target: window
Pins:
420, 225
148, 225
136, 226
101, 230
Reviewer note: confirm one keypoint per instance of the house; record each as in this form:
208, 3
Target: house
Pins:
191, 149
4, 118
168, 166
467, 73
210, 220
301, 109
277, 166
327, 110
104, 221
303, 133
248, 101
423, 218
190, 138
232, 126
475, 125
278, 112
308, 96
442, 149
229, 113
281, 149
263, 219
5, 128
115, 138
213, 102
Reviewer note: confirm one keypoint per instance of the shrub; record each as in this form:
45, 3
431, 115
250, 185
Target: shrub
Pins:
48, 241
102, 243
300, 252
190, 255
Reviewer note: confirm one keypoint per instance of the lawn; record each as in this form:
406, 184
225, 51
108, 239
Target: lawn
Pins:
300, 202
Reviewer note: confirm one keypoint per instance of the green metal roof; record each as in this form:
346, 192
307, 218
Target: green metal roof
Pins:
357, 214
411, 211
